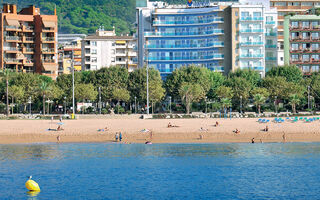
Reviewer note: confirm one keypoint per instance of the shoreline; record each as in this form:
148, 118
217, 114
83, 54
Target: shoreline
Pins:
189, 131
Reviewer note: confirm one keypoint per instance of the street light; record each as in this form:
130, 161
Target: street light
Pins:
65, 105
206, 104
100, 100
135, 105
29, 102
72, 68
241, 104
170, 104
275, 104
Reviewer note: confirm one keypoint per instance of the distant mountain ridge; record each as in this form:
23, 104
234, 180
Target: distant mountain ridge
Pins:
85, 16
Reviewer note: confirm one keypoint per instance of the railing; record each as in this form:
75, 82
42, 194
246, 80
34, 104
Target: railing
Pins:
216, 31
271, 34
12, 27
29, 28
251, 43
48, 60
258, 68
215, 44
29, 61
251, 56
271, 58
29, 49
251, 19
48, 50
47, 29
12, 49
48, 39
173, 22
216, 56
11, 60
271, 46
251, 30
15, 38
29, 39
270, 22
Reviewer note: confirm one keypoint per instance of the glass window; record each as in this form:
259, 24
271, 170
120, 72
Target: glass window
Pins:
315, 24
269, 18
280, 23
94, 59
244, 14
93, 43
294, 46
280, 4
315, 35
305, 68
93, 51
294, 24
295, 57
236, 13
315, 57
315, 68
257, 14
315, 47
306, 4
305, 57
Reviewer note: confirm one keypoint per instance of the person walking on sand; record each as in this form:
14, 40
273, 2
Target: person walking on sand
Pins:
120, 137
116, 137
217, 124
284, 138
58, 138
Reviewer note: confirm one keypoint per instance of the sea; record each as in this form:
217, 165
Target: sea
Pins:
161, 171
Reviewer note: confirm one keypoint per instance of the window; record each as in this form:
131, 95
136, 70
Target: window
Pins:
305, 68
257, 14
280, 4
294, 57
244, 14
269, 18
280, 23
315, 57
294, 46
94, 59
315, 47
93, 67
305, 57
269, 42
294, 24
93, 43
94, 51
236, 13
293, 4
315, 24
315, 68
315, 35
305, 24
306, 4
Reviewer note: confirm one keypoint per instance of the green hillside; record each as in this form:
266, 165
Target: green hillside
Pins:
85, 16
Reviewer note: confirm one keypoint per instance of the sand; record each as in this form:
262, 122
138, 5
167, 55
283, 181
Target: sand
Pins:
86, 130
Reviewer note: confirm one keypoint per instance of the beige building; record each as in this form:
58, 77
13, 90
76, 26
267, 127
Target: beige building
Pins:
65, 57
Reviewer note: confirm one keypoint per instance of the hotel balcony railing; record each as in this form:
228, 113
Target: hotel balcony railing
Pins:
270, 22
11, 60
29, 28
12, 27
28, 61
12, 49
170, 22
271, 46
167, 46
258, 68
251, 56
271, 34
48, 50
251, 43
271, 58
49, 39
299, 28
251, 19
216, 31
48, 29
30, 39
48, 61
305, 39
216, 56
29, 50
251, 30
13, 38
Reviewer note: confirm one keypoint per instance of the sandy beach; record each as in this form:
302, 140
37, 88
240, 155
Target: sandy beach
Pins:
86, 130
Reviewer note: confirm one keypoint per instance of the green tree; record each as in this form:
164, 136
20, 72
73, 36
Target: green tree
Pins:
224, 92
85, 92
241, 88
252, 76
6, 74
291, 73
294, 100
191, 74
216, 80
16, 93
260, 90
120, 94
190, 93
276, 86
259, 99
44, 89
225, 103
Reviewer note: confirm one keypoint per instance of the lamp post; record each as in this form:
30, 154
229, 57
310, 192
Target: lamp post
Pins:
240, 104
72, 68
308, 97
100, 100
65, 105
275, 104
30, 105
206, 104
135, 105
170, 104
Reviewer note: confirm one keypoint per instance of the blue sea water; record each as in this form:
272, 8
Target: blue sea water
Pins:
162, 171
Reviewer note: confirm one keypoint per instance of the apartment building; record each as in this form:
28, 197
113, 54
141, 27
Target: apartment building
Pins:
173, 36
301, 42
28, 41
105, 49
285, 7
65, 57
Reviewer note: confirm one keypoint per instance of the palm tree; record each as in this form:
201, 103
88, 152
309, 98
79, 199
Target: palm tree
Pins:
44, 88
294, 100
6, 74
259, 99
226, 103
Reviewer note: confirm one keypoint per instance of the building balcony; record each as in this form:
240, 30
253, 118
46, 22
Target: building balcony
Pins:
190, 46
48, 50
271, 46
28, 50
12, 28
251, 43
270, 22
179, 34
257, 68
251, 18
13, 39
28, 40
28, 62
251, 30
271, 58
271, 34
11, 61
304, 28
28, 28
48, 39
251, 56
12, 49
190, 22
304, 39
48, 61
215, 56
47, 29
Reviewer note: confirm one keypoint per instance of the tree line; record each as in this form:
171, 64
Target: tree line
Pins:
191, 88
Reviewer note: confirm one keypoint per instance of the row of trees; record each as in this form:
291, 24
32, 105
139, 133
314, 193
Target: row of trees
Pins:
189, 88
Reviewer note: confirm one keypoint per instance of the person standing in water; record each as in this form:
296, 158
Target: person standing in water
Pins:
252, 140
120, 137
284, 138
116, 137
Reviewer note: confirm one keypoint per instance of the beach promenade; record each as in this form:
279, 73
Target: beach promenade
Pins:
189, 131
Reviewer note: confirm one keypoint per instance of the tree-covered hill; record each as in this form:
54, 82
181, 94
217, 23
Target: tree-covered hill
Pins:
85, 16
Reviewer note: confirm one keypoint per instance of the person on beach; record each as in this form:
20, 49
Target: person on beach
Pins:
203, 129
200, 137
60, 118
252, 140
60, 128
236, 131
58, 138
217, 124
284, 137
266, 129
170, 125
116, 137
260, 140
120, 137
150, 135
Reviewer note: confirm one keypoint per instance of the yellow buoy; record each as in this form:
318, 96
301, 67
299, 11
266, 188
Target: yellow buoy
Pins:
31, 185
